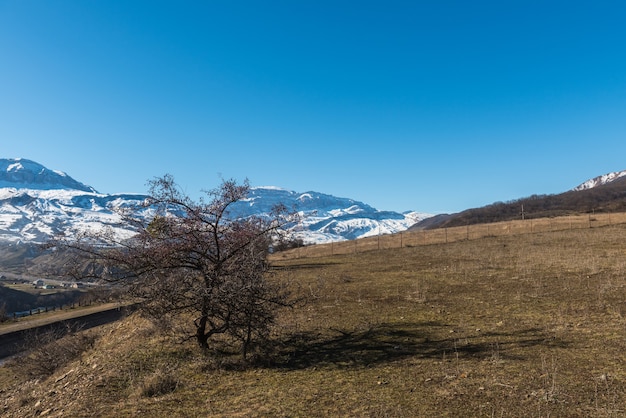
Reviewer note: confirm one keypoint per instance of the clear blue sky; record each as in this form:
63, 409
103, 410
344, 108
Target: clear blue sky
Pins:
435, 106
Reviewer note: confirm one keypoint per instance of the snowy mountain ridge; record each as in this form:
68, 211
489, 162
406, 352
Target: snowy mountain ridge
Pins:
327, 218
37, 203
600, 180
26, 174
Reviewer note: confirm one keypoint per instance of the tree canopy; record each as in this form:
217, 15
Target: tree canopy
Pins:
192, 260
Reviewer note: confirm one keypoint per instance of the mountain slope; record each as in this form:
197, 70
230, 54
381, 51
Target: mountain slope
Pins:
327, 218
20, 173
34, 216
600, 180
602, 194
37, 203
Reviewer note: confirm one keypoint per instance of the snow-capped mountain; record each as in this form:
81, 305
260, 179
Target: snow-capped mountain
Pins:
327, 218
37, 203
600, 180
35, 216
26, 174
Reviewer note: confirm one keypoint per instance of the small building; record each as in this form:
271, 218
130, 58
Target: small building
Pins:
39, 283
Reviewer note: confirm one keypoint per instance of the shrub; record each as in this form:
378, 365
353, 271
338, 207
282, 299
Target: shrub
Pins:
159, 383
48, 352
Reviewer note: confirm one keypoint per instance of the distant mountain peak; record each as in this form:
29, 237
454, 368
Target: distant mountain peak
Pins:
21, 173
600, 180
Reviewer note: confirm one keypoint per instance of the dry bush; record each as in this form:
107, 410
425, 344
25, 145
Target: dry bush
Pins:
151, 364
3, 312
50, 351
161, 382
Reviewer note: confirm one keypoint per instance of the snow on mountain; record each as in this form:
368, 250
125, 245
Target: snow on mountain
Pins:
34, 216
327, 218
27, 174
37, 203
600, 180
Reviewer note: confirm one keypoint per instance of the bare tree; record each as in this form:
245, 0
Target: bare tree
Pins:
194, 260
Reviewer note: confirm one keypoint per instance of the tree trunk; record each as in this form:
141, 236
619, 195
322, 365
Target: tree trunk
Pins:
247, 340
201, 335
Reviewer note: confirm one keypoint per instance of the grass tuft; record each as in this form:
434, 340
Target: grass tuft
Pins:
161, 382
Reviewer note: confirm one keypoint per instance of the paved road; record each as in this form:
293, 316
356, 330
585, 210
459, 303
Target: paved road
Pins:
38, 320
13, 336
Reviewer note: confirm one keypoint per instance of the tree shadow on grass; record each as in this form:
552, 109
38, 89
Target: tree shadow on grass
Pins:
390, 342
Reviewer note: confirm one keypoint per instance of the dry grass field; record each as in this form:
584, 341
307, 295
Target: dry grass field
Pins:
504, 325
462, 233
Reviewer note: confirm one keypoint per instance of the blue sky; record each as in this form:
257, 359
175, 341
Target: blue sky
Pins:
435, 106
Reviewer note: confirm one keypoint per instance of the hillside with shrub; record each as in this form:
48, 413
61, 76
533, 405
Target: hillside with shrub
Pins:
507, 326
608, 198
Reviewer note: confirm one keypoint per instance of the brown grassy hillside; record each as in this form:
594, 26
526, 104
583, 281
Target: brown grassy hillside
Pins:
528, 325
609, 198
